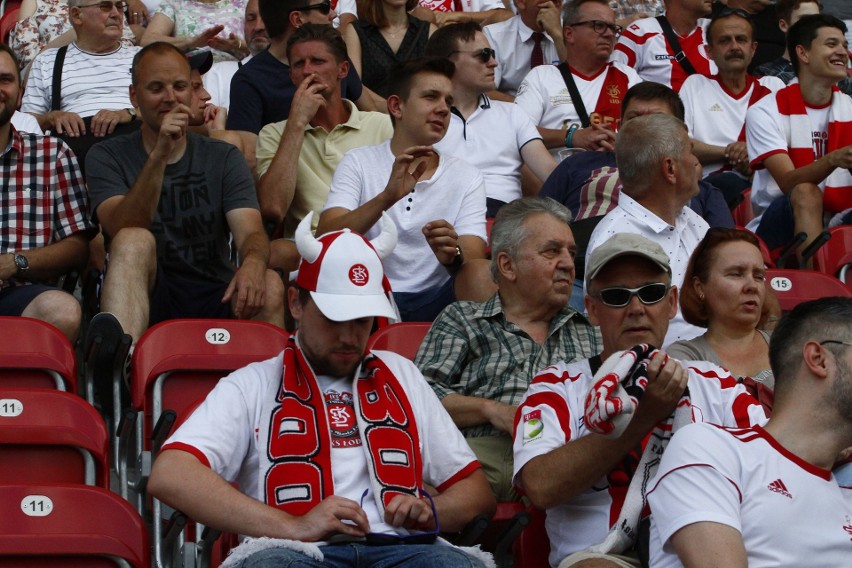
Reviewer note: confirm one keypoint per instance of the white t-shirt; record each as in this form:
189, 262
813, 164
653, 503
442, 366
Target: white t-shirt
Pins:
678, 240
714, 115
513, 43
789, 512
768, 133
544, 96
552, 415
217, 81
491, 140
230, 432
455, 193
90, 82
644, 47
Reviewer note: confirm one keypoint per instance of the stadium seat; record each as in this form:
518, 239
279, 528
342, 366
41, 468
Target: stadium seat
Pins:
743, 213
532, 547
175, 364
69, 526
35, 354
793, 287
8, 20
402, 338
48, 436
835, 256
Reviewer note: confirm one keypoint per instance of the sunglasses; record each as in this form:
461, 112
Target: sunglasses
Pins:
323, 7
619, 297
384, 539
600, 27
106, 5
725, 12
485, 54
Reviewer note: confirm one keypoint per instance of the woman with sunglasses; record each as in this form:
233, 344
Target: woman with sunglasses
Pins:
384, 35
724, 290
191, 25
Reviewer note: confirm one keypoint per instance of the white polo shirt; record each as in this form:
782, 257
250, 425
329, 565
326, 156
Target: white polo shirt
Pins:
513, 43
491, 140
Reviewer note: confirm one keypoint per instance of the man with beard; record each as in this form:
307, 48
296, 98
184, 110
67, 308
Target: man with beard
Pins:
715, 107
767, 496
44, 226
647, 45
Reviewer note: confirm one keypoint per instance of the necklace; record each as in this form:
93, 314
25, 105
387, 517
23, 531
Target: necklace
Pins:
396, 33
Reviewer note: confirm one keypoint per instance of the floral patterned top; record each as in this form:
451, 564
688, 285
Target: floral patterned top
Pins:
191, 17
31, 35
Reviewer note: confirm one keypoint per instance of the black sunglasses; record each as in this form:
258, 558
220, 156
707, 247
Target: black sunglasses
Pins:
485, 54
648, 294
725, 12
323, 8
600, 27
384, 539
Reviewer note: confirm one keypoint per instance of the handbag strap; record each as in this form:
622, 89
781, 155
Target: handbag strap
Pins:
575, 94
671, 37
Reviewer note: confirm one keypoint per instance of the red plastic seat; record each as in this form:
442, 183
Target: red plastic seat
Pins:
49, 436
743, 213
532, 547
792, 287
832, 257
8, 21
33, 353
402, 338
69, 526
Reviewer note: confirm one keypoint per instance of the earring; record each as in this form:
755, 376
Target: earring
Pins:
701, 297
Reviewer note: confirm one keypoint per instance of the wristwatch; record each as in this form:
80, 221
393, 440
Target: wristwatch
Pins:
132, 112
21, 263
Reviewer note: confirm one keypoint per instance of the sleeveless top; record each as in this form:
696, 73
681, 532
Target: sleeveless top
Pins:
377, 58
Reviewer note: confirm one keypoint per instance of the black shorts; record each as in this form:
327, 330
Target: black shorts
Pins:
174, 297
15, 299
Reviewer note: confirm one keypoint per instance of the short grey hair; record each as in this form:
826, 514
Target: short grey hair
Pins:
508, 231
571, 10
642, 143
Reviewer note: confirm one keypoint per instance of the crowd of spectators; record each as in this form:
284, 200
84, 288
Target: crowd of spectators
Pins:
550, 183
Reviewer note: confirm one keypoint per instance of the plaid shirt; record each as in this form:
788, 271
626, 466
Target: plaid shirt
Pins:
42, 195
472, 350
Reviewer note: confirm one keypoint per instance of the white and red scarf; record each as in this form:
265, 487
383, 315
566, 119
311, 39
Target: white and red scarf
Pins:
837, 193
300, 437
614, 88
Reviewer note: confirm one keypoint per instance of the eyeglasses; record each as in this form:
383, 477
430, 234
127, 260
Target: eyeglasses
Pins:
427, 537
485, 54
837, 341
323, 8
619, 297
107, 6
600, 27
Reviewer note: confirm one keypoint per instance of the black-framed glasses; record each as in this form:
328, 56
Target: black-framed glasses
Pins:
426, 537
107, 5
485, 54
648, 294
600, 27
837, 341
323, 8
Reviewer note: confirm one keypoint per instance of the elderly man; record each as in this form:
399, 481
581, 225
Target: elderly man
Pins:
547, 93
528, 39
470, 356
166, 201
378, 436
716, 106
297, 157
658, 183
437, 201
87, 94
44, 223
667, 49
495, 136
593, 484
767, 496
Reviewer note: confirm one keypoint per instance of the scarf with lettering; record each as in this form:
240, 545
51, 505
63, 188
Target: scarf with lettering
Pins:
612, 93
300, 437
610, 405
837, 193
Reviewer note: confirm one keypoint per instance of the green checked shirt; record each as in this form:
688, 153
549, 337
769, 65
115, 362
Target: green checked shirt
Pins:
472, 350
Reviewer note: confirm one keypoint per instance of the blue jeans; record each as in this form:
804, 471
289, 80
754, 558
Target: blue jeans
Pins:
356, 555
426, 304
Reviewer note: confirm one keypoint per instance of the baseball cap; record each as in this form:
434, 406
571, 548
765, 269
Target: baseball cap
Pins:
343, 271
201, 60
625, 244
